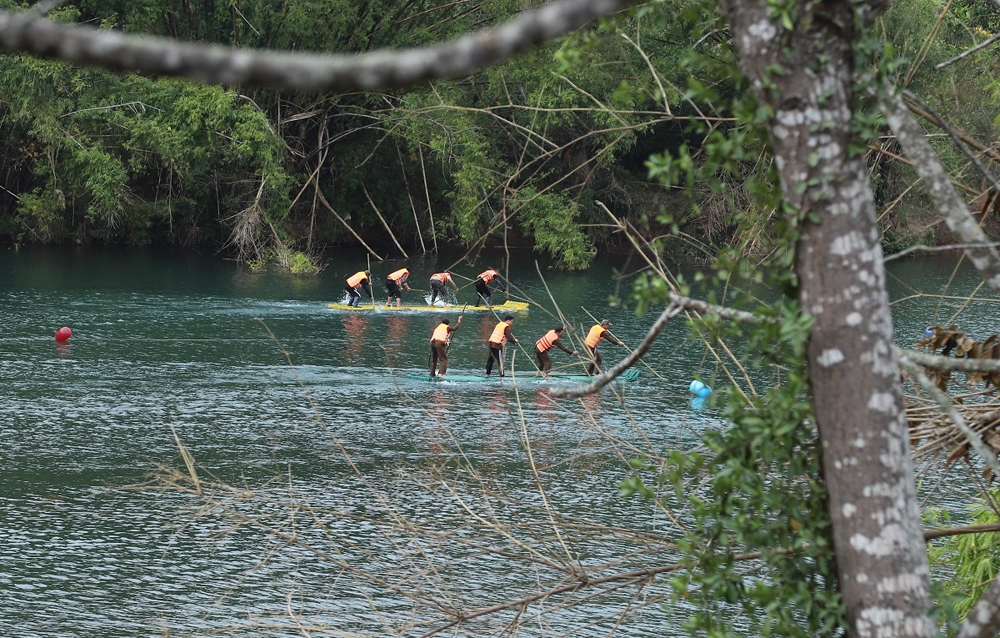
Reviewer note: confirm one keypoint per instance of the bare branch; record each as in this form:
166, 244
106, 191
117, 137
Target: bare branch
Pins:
964, 54
958, 531
938, 249
672, 311
938, 362
985, 258
955, 137
30, 33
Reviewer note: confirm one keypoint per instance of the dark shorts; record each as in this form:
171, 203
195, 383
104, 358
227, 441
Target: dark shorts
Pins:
393, 288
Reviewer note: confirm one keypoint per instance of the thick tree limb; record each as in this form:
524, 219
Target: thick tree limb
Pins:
30, 33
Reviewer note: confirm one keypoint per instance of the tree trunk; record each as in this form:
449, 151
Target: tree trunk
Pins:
806, 76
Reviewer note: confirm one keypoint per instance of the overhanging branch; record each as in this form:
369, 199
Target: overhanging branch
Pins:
28, 32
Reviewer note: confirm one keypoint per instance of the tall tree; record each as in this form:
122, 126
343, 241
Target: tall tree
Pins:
800, 61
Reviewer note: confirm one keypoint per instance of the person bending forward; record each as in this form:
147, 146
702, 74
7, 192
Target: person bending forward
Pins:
483, 292
598, 332
542, 347
439, 281
355, 283
394, 283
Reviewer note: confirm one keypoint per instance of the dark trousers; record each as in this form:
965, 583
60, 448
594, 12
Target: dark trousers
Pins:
544, 361
438, 289
596, 363
439, 352
496, 355
483, 292
356, 295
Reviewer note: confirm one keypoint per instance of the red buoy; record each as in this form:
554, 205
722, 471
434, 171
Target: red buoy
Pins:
64, 333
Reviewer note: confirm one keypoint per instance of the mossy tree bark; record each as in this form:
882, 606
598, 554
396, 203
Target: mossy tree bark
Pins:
801, 67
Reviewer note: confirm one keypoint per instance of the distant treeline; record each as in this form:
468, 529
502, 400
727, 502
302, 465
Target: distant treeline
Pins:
517, 153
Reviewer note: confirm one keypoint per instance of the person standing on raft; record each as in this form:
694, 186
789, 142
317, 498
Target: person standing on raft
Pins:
501, 334
394, 281
354, 283
598, 332
440, 340
542, 347
483, 290
438, 283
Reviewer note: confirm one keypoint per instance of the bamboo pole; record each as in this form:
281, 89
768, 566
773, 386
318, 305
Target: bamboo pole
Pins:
322, 198
427, 194
384, 223
409, 195
319, 162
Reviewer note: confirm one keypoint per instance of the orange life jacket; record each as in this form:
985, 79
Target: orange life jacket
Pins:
547, 341
443, 277
399, 276
355, 280
595, 335
498, 338
488, 275
442, 333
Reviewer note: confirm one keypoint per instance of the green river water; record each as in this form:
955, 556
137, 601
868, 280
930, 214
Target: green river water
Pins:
351, 490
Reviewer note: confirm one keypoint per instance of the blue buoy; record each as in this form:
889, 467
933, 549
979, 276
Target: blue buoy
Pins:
699, 389
929, 331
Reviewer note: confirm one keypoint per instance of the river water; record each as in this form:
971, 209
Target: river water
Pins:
328, 491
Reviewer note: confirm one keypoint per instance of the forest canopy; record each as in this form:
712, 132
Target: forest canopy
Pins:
516, 153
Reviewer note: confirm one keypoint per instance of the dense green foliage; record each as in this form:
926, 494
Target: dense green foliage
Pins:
646, 113
516, 153
758, 553
972, 561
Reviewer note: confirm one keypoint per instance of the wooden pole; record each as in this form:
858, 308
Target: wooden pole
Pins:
388, 230
322, 198
427, 194
406, 183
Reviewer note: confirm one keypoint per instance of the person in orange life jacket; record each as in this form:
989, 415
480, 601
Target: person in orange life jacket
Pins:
438, 281
598, 332
501, 335
394, 281
542, 347
440, 340
357, 281
482, 290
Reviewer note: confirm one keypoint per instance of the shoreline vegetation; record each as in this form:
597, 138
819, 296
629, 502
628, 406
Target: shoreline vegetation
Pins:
94, 157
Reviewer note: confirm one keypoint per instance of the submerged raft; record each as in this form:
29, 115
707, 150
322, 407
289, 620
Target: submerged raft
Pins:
629, 375
507, 306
